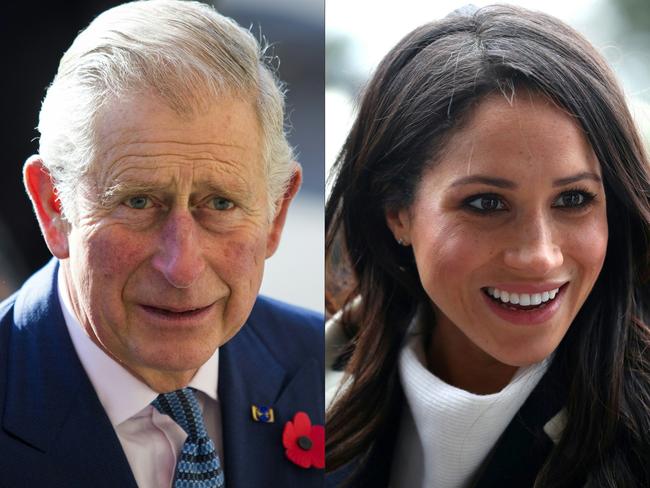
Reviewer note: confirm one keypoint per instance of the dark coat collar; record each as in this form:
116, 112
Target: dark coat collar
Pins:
524, 446
250, 375
50, 403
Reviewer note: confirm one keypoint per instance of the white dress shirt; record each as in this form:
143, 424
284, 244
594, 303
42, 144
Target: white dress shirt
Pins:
151, 440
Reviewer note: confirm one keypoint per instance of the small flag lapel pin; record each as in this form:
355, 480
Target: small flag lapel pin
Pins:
262, 414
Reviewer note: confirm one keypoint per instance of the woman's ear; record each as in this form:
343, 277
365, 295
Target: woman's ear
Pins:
399, 223
42, 193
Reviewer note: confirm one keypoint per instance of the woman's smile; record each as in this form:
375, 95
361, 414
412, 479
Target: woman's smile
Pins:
521, 298
525, 308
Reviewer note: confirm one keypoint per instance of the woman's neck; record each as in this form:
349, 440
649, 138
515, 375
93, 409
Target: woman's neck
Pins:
456, 360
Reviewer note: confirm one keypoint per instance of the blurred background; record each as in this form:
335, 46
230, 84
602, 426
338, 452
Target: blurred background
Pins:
358, 37
35, 35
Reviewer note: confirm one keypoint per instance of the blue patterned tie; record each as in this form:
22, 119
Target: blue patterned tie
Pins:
199, 465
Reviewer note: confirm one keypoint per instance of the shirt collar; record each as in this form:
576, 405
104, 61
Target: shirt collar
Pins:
121, 394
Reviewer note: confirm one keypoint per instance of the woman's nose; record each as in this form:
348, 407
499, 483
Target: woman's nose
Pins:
180, 255
534, 248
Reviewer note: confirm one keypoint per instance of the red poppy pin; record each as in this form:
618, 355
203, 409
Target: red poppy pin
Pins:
304, 443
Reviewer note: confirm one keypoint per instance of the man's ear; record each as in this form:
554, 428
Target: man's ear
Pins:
399, 223
47, 206
273, 239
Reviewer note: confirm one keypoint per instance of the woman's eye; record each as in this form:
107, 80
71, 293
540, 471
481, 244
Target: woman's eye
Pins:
486, 203
139, 202
573, 199
219, 203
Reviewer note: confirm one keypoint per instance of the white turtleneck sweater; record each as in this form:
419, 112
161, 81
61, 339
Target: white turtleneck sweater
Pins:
446, 433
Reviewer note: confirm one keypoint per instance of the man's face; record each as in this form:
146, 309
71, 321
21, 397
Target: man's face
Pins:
166, 257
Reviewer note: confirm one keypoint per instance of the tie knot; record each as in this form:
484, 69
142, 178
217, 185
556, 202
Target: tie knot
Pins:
183, 407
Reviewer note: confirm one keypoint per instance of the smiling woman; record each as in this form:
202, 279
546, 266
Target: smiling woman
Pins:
518, 211
490, 205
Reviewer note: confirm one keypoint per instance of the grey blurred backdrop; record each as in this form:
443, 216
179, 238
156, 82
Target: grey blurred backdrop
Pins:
34, 36
357, 39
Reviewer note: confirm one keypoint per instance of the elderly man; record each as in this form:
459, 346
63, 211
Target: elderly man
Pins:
142, 355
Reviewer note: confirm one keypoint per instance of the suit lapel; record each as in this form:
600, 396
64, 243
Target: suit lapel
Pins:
250, 375
50, 403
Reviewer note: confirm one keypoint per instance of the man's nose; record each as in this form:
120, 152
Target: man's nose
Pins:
180, 255
534, 247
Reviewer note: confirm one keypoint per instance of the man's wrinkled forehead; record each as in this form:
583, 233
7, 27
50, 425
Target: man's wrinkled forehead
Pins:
230, 119
146, 142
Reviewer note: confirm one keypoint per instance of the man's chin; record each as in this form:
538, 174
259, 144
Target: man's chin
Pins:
175, 365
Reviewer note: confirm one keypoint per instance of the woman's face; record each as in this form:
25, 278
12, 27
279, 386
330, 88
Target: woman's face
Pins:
509, 230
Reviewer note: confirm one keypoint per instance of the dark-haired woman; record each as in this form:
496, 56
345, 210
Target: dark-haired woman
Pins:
491, 206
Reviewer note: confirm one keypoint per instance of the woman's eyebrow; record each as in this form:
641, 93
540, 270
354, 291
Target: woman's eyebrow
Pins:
487, 180
508, 184
585, 175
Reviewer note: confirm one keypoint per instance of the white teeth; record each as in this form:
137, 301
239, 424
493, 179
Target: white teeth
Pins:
524, 299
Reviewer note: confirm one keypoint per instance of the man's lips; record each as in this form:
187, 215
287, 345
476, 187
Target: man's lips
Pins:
178, 313
176, 309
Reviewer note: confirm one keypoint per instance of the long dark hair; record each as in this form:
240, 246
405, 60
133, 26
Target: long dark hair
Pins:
422, 91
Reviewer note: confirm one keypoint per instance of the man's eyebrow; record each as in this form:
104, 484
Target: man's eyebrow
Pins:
132, 187
121, 189
114, 192
487, 180
585, 175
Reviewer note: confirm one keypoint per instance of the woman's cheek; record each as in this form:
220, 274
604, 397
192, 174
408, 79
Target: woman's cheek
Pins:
446, 255
587, 243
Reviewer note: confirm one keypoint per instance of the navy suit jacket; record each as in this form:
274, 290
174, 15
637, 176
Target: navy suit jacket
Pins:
55, 432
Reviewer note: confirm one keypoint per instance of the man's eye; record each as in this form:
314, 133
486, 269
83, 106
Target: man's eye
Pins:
485, 203
574, 199
138, 202
219, 203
